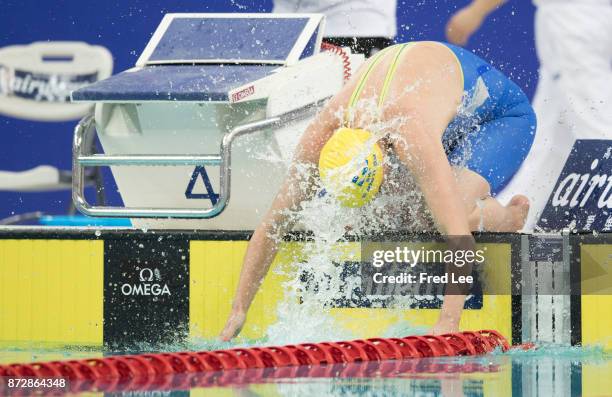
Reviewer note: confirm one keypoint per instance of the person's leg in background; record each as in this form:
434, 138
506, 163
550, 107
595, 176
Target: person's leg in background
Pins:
573, 97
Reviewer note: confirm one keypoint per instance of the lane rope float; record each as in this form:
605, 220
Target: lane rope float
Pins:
144, 371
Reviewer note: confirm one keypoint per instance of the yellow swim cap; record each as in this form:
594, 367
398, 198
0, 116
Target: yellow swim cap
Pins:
350, 166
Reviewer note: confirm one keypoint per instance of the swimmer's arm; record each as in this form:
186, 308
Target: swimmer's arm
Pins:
425, 110
264, 242
426, 159
298, 186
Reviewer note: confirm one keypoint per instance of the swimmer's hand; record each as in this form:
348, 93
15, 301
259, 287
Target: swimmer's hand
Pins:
450, 315
233, 326
442, 328
463, 24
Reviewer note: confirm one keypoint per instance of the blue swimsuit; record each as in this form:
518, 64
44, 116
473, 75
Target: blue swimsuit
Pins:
495, 127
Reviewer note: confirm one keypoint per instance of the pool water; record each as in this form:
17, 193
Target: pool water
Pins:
549, 370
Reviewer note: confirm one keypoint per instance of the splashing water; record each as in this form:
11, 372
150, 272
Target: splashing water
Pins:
314, 279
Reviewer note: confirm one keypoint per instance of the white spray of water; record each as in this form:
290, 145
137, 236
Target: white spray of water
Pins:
314, 279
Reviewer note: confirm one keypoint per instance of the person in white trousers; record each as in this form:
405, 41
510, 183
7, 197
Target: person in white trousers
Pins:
365, 26
573, 99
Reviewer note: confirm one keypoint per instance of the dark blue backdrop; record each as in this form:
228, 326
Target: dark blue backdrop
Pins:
124, 27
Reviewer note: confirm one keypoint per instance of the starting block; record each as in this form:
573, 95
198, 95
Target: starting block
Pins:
169, 126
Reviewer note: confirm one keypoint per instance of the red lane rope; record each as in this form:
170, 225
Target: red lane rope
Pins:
181, 371
346, 61
150, 371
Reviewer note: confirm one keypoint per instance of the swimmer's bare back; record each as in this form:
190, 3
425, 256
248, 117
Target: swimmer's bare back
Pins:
427, 85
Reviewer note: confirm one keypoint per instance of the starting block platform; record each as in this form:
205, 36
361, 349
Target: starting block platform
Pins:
211, 96
203, 57
198, 83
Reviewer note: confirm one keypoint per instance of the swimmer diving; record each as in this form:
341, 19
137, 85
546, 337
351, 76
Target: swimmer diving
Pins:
461, 128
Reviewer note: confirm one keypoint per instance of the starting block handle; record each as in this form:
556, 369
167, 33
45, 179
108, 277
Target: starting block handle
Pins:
85, 130
97, 160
